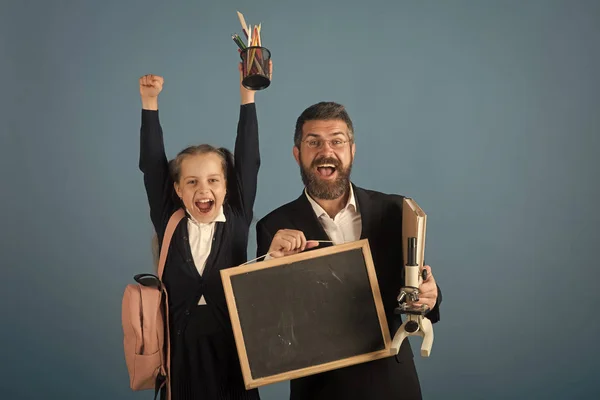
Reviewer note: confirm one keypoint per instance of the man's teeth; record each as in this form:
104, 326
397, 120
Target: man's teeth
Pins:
204, 201
326, 166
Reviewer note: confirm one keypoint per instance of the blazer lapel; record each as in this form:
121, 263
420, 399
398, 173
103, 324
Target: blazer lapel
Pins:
215, 248
365, 208
304, 219
185, 250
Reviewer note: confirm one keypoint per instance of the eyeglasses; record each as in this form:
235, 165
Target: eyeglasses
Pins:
318, 143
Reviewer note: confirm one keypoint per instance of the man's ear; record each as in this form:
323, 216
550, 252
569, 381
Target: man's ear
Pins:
296, 152
353, 149
177, 189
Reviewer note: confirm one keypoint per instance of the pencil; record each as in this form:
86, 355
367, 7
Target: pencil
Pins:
243, 23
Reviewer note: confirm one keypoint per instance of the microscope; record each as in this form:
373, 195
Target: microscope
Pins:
416, 323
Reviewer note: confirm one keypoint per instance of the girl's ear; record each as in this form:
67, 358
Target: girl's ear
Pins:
177, 189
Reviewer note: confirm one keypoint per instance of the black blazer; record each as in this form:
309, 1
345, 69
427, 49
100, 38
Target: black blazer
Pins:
381, 216
184, 284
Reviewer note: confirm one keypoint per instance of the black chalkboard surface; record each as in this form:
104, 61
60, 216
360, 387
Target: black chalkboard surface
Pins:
307, 313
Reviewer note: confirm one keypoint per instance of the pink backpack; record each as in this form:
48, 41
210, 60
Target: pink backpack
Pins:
145, 320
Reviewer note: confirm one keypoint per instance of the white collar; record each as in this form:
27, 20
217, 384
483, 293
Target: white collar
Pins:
319, 211
220, 218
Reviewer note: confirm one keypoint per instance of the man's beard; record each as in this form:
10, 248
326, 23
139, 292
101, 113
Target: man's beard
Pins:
326, 190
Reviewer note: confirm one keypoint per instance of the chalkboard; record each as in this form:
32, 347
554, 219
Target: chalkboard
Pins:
307, 313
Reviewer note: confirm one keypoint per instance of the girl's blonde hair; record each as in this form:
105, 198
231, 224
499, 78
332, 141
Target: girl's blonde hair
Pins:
175, 164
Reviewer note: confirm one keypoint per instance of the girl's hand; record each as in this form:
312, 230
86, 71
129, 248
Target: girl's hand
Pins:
150, 87
248, 95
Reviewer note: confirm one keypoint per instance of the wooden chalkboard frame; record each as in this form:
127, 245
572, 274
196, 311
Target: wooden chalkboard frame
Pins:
251, 382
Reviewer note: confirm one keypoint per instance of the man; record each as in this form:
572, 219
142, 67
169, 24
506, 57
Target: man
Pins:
332, 208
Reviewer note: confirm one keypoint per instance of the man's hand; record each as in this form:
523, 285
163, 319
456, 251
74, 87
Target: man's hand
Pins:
428, 290
289, 241
150, 87
248, 95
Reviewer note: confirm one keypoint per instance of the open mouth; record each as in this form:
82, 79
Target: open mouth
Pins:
204, 205
326, 170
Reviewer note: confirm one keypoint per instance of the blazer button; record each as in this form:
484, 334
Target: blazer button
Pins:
189, 260
178, 332
187, 312
185, 238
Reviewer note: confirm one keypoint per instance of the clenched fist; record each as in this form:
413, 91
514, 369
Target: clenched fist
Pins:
248, 95
150, 87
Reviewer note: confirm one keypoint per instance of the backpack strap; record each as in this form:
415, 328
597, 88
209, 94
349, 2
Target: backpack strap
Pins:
163, 380
164, 248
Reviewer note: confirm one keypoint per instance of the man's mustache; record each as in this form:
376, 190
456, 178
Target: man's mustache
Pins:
326, 160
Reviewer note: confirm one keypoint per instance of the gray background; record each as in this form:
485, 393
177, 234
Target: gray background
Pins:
486, 112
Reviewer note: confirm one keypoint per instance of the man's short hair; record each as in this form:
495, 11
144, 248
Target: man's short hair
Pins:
325, 110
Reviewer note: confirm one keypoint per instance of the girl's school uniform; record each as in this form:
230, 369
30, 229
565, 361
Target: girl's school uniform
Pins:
204, 361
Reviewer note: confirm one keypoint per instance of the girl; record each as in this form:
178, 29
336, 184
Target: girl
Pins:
218, 197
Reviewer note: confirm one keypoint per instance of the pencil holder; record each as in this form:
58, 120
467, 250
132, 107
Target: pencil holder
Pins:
255, 68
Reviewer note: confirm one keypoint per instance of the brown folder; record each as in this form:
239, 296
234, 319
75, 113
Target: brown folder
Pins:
414, 224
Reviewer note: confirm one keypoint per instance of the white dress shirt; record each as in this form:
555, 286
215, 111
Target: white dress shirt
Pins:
345, 226
201, 239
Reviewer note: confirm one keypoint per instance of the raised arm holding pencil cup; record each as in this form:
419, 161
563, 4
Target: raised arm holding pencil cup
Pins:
256, 59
